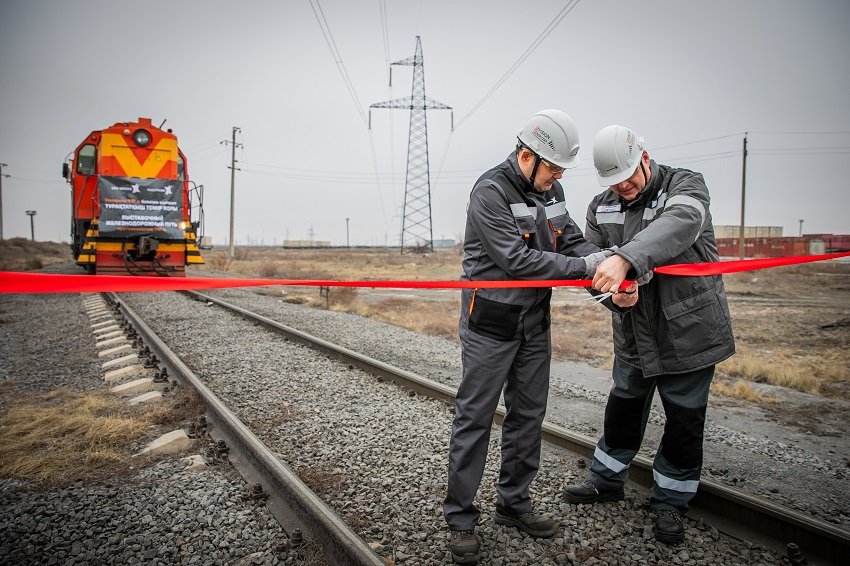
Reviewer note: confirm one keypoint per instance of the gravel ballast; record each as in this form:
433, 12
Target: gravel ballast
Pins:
376, 453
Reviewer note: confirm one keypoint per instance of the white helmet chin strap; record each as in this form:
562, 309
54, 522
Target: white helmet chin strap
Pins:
537, 160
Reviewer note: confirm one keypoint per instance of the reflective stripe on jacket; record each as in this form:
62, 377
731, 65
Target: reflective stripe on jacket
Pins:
513, 232
679, 324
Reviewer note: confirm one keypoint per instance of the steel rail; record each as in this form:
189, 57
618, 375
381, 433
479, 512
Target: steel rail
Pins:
291, 502
730, 510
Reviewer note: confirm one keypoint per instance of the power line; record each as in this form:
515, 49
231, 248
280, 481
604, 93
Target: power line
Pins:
463, 175
839, 132
543, 35
385, 35
699, 159
386, 44
51, 182
736, 136
16, 168
363, 179
204, 144
326, 32
832, 150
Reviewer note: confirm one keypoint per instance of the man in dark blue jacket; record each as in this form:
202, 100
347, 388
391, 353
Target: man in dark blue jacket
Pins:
670, 339
517, 227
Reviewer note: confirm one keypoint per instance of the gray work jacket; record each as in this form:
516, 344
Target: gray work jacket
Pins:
679, 324
514, 232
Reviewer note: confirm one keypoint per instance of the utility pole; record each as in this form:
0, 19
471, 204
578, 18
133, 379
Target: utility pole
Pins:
1, 197
31, 213
743, 199
347, 243
233, 169
416, 223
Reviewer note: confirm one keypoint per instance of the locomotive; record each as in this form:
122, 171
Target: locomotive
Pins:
132, 203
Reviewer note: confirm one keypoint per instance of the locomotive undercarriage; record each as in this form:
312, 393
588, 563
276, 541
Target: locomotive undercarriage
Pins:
143, 255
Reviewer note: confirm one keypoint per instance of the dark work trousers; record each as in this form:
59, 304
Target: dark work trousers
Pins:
522, 368
678, 462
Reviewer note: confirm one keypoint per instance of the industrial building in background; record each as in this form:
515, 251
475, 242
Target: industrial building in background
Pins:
768, 241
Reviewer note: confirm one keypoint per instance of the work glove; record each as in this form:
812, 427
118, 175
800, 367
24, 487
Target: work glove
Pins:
592, 261
645, 278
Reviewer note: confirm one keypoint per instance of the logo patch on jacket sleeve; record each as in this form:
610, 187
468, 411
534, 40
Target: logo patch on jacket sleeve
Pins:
609, 208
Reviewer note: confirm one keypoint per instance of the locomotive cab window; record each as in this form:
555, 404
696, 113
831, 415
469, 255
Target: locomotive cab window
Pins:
86, 160
181, 176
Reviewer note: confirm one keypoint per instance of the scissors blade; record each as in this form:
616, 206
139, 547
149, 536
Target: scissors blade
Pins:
599, 298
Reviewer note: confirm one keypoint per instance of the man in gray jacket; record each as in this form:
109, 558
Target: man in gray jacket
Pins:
674, 335
517, 228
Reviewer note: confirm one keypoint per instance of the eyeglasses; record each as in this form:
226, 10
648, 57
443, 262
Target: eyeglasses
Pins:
553, 169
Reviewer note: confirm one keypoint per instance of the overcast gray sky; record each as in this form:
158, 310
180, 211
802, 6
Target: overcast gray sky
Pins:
298, 76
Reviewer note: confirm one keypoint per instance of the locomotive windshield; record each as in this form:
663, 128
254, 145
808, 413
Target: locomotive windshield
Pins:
86, 160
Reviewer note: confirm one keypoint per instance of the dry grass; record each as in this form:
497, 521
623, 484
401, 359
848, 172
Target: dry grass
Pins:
354, 264
582, 333
782, 369
435, 319
740, 390
801, 346
19, 254
781, 339
62, 437
323, 481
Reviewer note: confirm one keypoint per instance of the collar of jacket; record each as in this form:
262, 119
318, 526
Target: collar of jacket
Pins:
522, 181
648, 191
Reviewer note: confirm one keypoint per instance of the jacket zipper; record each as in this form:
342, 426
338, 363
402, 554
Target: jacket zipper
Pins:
555, 234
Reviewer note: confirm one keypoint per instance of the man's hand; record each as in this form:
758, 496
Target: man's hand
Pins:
592, 261
610, 274
627, 298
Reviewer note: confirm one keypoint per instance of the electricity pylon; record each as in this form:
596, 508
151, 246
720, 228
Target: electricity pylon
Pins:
416, 228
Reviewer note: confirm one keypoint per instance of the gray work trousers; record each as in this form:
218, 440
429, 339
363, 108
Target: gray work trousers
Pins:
677, 465
521, 367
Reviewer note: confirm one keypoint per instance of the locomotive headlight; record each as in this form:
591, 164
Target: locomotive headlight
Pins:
142, 138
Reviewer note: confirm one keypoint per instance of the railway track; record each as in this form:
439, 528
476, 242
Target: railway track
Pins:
293, 504
732, 511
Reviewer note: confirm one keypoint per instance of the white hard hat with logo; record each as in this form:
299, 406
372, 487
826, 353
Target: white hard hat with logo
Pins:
553, 136
617, 151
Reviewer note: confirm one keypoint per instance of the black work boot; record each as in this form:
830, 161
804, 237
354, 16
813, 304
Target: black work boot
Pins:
533, 523
465, 547
669, 526
589, 492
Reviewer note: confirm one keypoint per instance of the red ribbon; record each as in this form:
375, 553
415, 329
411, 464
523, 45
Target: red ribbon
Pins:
735, 266
20, 282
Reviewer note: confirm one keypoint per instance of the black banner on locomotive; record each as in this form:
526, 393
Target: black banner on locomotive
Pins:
130, 206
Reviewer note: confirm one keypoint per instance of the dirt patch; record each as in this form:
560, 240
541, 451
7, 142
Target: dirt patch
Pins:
819, 417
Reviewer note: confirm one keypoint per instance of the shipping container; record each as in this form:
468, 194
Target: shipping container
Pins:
809, 244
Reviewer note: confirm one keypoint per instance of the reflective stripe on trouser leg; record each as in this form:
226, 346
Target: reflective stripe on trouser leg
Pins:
626, 413
678, 463
526, 393
668, 492
486, 363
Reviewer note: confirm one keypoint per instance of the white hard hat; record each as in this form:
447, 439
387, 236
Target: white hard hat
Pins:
553, 136
617, 151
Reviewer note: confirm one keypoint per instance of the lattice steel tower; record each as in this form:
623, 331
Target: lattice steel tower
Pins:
416, 228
